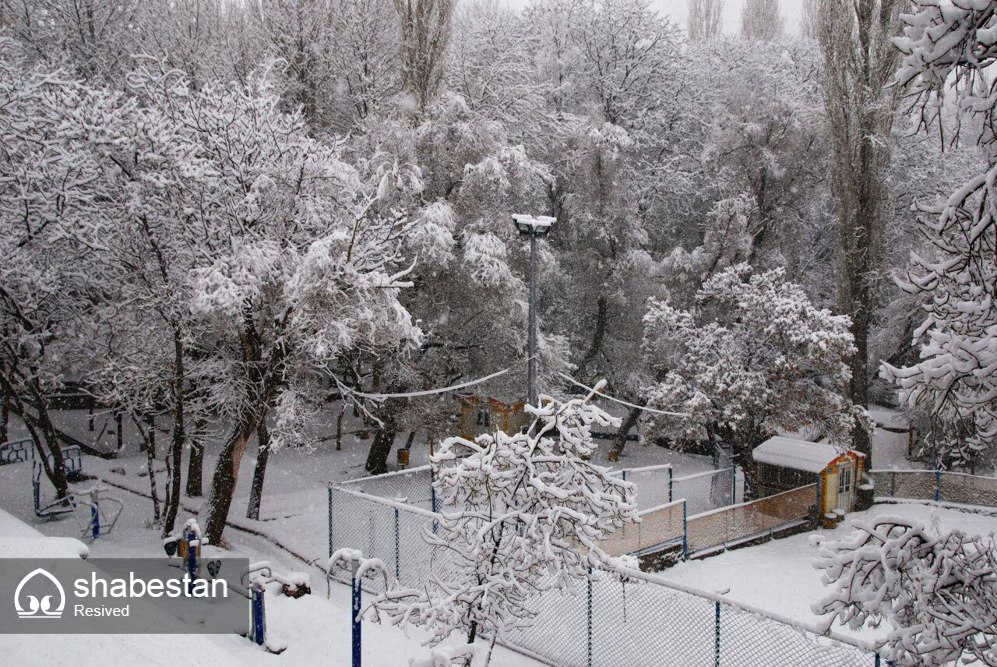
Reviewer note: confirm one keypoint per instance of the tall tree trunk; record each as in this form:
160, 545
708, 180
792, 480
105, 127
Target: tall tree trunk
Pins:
150, 459
225, 477
624, 431
179, 438
259, 474
195, 468
598, 338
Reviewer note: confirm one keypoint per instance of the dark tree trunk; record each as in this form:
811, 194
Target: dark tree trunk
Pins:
195, 468
259, 474
598, 337
225, 477
179, 437
380, 449
339, 428
150, 458
4, 416
621, 435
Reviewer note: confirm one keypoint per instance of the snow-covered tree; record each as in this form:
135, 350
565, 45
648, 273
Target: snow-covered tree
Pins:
51, 228
426, 27
706, 19
859, 61
522, 516
752, 357
947, 51
936, 591
761, 19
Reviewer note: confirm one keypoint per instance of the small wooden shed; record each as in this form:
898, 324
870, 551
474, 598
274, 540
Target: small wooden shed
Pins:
785, 463
488, 415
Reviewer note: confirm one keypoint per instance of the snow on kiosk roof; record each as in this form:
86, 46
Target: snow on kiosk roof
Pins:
798, 454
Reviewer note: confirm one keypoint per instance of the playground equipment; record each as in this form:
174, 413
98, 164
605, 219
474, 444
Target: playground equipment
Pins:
89, 508
17, 451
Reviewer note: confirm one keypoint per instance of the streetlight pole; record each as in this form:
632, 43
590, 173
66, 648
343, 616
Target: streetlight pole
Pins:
534, 227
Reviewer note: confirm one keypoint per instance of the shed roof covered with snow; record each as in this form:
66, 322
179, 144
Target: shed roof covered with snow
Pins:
797, 454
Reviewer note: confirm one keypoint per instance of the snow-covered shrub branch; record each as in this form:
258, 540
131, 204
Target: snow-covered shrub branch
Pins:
522, 515
936, 593
947, 49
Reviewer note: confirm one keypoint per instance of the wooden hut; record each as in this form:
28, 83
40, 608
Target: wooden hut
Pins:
784, 463
488, 415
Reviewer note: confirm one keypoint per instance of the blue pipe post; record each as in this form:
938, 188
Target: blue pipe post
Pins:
94, 517
191, 559
938, 485
259, 615
878, 660
356, 620
329, 491
716, 649
624, 474
432, 495
670, 484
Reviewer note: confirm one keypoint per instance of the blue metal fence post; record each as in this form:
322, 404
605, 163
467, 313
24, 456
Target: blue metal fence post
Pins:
685, 530
94, 514
716, 649
938, 485
624, 474
188, 537
356, 620
733, 484
878, 662
397, 550
670, 485
329, 490
590, 647
259, 630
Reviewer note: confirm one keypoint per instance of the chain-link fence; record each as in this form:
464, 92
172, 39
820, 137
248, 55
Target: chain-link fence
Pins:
658, 526
706, 491
950, 487
634, 619
739, 523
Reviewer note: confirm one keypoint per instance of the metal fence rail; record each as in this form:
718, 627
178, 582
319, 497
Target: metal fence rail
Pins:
938, 485
635, 620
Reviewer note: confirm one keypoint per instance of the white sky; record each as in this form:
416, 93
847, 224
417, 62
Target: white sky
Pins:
792, 10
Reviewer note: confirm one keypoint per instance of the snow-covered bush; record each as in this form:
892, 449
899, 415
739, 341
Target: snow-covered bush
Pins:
522, 515
937, 593
948, 48
754, 356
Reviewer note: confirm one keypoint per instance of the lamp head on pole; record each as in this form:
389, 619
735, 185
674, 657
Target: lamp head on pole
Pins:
533, 225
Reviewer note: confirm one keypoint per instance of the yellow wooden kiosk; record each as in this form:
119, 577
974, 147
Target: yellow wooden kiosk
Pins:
784, 463
488, 415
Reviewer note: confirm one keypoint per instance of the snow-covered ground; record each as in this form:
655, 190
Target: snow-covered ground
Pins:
311, 627
778, 575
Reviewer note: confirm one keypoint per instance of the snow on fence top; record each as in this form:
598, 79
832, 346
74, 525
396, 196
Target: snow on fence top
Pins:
797, 454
